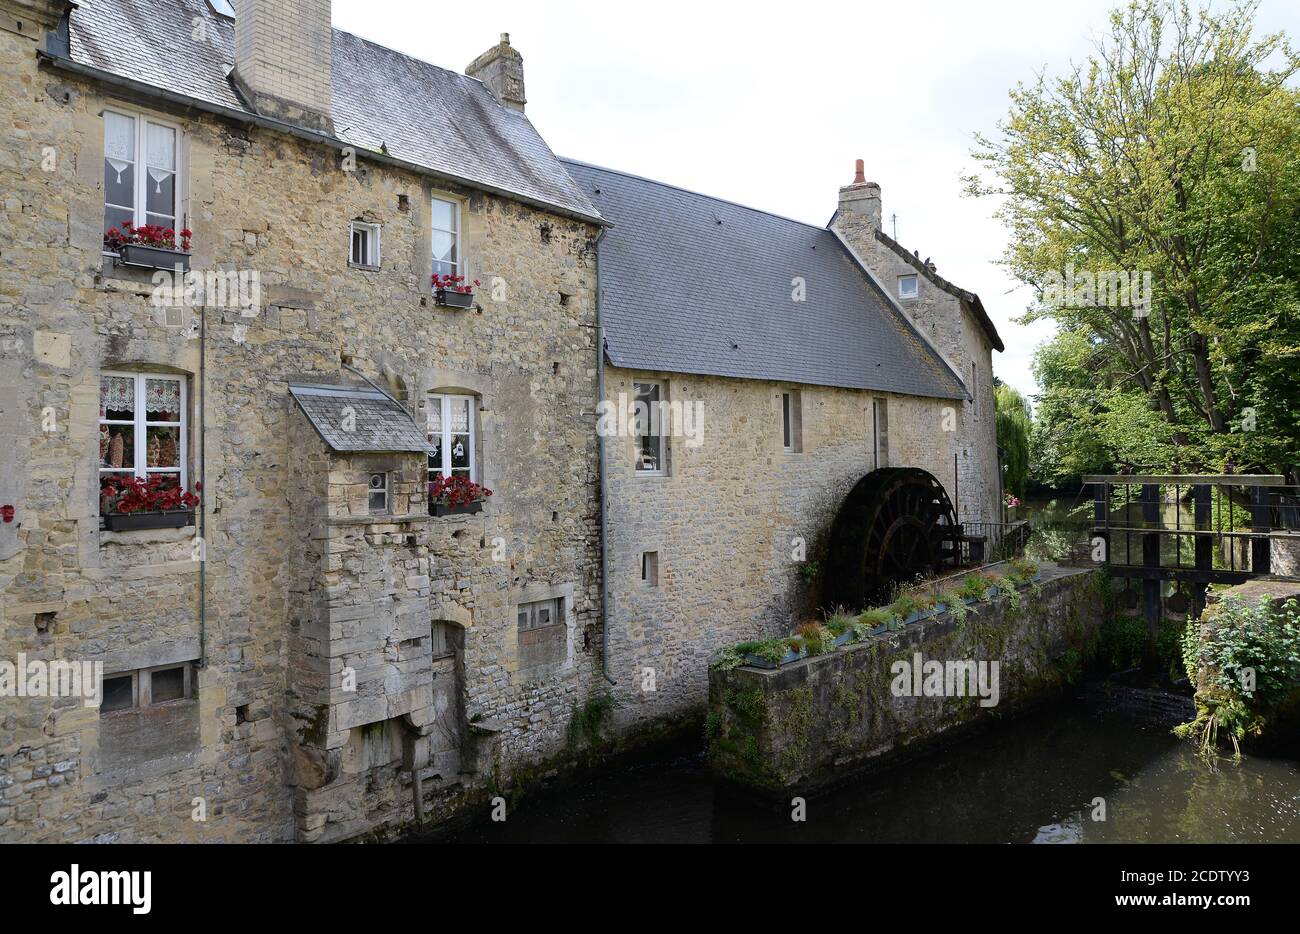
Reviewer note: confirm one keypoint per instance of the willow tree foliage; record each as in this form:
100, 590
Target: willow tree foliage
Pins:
1013, 429
1170, 157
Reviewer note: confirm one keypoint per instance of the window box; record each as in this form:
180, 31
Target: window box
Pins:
439, 509
131, 521
450, 298
152, 257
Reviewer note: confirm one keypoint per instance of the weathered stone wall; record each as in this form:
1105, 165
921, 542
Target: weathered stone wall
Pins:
280, 208
962, 342
727, 518
816, 721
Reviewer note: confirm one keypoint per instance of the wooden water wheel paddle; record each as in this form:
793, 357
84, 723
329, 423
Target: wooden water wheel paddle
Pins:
895, 524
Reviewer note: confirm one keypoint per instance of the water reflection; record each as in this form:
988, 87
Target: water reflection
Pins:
1030, 780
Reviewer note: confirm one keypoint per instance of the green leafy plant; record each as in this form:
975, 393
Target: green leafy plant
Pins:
974, 587
839, 621
906, 605
808, 571
1245, 660
873, 618
952, 599
817, 639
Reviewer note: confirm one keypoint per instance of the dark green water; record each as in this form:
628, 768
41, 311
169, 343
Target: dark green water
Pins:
1029, 780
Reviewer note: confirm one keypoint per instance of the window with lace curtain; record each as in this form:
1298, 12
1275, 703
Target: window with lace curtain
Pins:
141, 171
142, 427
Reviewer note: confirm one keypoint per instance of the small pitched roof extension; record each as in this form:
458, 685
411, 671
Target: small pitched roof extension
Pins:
378, 424
694, 284
970, 301
429, 117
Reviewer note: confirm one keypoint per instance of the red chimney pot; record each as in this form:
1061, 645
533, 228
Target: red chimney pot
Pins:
859, 178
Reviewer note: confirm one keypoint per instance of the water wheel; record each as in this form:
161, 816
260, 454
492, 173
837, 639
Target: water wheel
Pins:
896, 524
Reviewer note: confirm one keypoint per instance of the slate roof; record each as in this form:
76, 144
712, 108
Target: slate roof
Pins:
694, 284
428, 116
381, 425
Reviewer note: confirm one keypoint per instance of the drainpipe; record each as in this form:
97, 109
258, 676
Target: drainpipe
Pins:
604, 510
203, 494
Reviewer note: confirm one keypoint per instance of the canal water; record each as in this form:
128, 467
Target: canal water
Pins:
1032, 779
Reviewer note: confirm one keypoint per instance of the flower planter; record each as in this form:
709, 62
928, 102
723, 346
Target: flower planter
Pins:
130, 521
879, 630
450, 298
440, 510
152, 257
844, 638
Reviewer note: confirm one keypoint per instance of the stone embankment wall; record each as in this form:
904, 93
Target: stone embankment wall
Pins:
815, 722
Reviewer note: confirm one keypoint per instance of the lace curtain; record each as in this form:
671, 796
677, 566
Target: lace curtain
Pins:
162, 399
116, 392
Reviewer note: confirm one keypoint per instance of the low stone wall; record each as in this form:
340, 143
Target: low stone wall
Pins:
815, 722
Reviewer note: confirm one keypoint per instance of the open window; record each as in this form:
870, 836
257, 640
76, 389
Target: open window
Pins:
364, 245
141, 171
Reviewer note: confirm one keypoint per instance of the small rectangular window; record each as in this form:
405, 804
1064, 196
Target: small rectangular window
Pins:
791, 421
650, 568
118, 693
146, 687
166, 684
446, 238
907, 287
540, 614
880, 432
974, 387
379, 493
365, 245
649, 427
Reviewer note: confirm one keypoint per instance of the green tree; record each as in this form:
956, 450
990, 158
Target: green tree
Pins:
1013, 429
1172, 151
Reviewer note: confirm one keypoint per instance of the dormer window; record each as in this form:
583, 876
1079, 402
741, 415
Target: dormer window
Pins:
907, 287
364, 250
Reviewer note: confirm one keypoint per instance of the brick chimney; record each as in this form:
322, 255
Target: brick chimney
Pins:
501, 68
283, 57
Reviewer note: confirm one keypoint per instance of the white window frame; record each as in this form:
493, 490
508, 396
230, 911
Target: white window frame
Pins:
142, 121
916, 286
141, 426
373, 244
650, 569
444, 401
458, 245
662, 469
791, 421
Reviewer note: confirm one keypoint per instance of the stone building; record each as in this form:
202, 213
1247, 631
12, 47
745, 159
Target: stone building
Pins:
793, 360
317, 650
337, 640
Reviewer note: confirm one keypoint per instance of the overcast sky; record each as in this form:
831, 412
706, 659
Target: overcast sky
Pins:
769, 105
